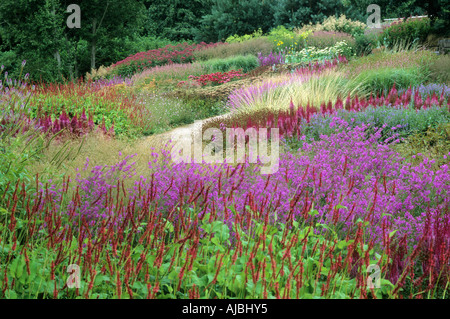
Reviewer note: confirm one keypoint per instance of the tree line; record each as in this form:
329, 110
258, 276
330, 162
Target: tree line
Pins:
111, 30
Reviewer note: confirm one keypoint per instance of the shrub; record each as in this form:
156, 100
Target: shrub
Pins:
341, 24
410, 30
236, 38
325, 39
244, 62
312, 53
434, 144
146, 43
100, 73
283, 38
365, 43
440, 69
253, 46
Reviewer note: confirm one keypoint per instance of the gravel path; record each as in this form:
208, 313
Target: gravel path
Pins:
159, 140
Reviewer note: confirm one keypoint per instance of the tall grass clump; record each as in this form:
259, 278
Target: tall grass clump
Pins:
389, 59
440, 69
304, 86
253, 47
381, 80
245, 63
166, 76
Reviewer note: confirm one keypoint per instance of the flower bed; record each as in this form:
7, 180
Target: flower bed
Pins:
215, 78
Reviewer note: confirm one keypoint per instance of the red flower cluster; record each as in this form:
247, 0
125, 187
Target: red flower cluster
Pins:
180, 53
216, 78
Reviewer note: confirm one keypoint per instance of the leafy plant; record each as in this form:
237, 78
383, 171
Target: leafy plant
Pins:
244, 62
381, 80
410, 30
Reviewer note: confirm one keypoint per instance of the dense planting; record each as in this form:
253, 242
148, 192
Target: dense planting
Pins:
89, 181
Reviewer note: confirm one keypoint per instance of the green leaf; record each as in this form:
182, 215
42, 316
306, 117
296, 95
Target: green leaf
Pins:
10, 294
392, 233
17, 266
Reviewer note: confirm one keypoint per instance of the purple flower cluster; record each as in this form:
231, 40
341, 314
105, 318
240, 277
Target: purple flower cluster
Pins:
95, 190
345, 169
433, 88
269, 60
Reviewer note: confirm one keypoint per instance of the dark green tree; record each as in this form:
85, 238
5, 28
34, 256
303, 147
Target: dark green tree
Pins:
104, 21
229, 17
175, 19
295, 13
34, 31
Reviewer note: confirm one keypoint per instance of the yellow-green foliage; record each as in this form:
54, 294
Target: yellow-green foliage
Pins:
433, 144
341, 24
236, 38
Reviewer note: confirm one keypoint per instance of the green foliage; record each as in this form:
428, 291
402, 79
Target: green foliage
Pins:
244, 62
364, 44
165, 112
174, 19
11, 63
219, 268
411, 30
434, 144
295, 13
310, 54
231, 17
15, 154
253, 46
381, 80
37, 32
101, 109
440, 69
236, 38
341, 24
145, 43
